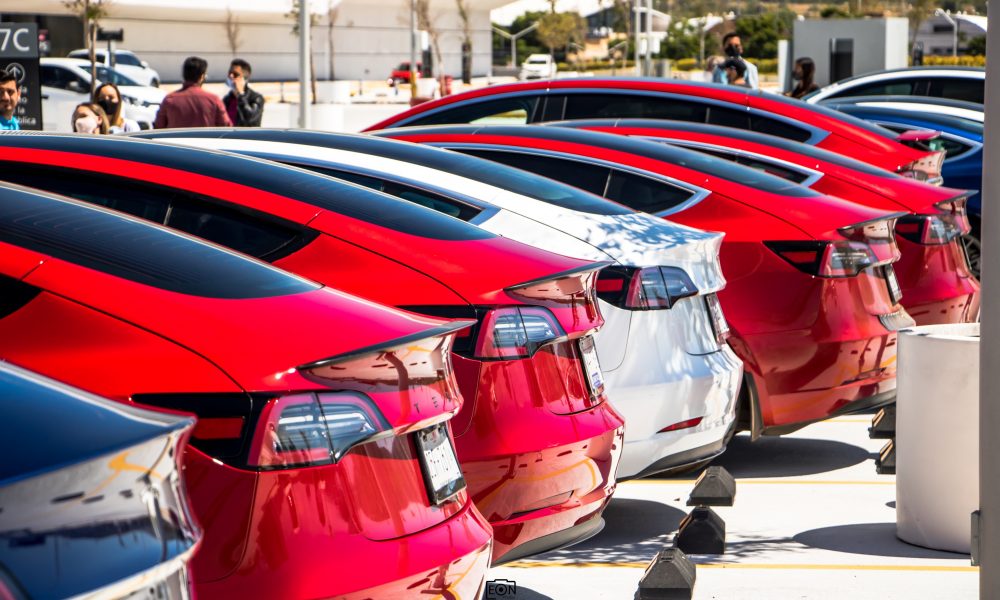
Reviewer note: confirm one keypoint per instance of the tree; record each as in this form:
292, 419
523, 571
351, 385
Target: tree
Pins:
427, 23
557, 30
976, 46
464, 13
760, 33
529, 43
232, 24
919, 11
313, 21
90, 12
332, 12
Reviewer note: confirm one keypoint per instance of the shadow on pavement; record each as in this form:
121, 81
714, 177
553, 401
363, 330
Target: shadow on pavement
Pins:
875, 539
785, 457
524, 593
635, 530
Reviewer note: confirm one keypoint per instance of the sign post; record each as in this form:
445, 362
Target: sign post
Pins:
19, 55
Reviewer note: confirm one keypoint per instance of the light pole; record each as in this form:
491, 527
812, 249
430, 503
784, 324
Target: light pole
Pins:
954, 29
413, 50
513, 37
304, 59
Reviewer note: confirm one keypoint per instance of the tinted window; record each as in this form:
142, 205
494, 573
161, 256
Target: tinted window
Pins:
895, 87
728, 117
769, 167
107, 75
591, 178
410, 193
252, 233
833, 114
554, 108
516, 110
124, 58
123, 247
589, 106
61, 78
957, 88
779, 128
645, 194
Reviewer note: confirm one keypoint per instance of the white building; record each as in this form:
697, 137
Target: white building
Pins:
369, 37
937, 34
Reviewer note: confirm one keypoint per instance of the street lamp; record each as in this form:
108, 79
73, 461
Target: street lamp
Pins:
954, 29
513, 37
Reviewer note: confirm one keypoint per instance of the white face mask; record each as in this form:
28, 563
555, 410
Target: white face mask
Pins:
230, 84
88, 124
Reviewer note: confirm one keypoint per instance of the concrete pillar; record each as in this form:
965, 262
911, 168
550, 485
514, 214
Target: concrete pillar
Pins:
989, 373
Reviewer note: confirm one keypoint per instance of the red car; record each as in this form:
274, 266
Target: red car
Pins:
537, 442
812, 297
323, 431
401, 74
618, 97
937, 283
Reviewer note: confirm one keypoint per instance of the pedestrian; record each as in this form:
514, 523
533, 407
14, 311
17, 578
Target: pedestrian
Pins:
191, 106
733, 48
711, 63
110, 99
803, 73
244, 106
90, 118
736, 71
10, 96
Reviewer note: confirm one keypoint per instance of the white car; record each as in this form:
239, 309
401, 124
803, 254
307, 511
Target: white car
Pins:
66, 83
538, 66
956, 83
126, 63
915, 104
667, 368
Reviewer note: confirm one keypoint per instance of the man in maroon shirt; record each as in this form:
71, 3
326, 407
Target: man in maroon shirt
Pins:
192, 106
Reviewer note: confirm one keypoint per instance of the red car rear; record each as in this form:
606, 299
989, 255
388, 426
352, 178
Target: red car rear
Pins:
537, 441
619, 97
937, 283
811, 297
323, 434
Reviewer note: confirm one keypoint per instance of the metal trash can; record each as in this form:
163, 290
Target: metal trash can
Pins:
937, 435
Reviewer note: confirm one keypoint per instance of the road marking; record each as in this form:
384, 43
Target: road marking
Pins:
754, 566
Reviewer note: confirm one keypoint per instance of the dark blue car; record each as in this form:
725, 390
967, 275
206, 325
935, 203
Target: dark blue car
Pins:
961, 139
91, 500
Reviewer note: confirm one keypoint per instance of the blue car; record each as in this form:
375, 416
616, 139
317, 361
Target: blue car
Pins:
91, 499
962, 141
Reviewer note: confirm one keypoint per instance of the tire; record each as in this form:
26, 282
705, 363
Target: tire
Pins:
155, 82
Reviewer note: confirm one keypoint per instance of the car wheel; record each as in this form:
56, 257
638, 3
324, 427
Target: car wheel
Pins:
973, 251
155, 82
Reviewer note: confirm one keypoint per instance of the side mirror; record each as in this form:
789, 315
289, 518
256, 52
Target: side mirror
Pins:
145, 65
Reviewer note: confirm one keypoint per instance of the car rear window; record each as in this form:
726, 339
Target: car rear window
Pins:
128, 248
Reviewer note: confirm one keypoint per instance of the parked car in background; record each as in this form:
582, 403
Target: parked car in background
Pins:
591, 98
401, 74
663, 353
309, 449
94, 505
538, 66
125, 62
66, 83
922, 104
825, 343
937, 283
962, 141
528, 366
957, 83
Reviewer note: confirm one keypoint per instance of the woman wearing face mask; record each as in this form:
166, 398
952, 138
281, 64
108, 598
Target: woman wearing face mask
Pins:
803, 73
90, 118
110, 99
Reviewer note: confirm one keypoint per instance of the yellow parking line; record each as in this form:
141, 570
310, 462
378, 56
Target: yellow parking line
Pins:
754, 566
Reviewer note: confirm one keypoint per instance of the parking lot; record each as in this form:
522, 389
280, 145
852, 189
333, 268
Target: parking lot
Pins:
811, 519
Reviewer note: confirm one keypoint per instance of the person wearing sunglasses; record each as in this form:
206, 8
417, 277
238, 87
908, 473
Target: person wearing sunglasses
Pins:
244, 106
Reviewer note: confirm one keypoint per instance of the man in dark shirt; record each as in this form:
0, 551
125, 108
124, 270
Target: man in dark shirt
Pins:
192, 106
244, 106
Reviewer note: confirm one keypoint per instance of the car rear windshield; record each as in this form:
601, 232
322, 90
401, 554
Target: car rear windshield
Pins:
829, 112
125, 247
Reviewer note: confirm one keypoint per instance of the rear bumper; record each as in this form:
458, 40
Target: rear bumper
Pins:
937, 284
322, 563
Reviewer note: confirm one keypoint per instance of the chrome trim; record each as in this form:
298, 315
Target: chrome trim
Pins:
698, 193
812, 175
161, 572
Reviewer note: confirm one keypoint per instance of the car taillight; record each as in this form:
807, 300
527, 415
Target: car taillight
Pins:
936, 229
516, 332
649, 288
313, 429
926, 169
842, 258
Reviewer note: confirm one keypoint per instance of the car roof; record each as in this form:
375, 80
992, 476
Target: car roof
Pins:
916, 117
70, 62
129, 248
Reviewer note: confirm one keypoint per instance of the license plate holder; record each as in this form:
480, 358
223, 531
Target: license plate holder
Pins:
442, 475
895, 293
591, 366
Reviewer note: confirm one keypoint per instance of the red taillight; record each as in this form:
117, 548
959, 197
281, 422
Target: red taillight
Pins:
649, 288
867, 245
683, 425
516, 332
313, 429
936, 229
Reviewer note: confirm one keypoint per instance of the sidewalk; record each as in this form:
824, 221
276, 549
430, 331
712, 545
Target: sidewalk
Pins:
811, 520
